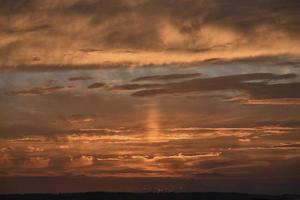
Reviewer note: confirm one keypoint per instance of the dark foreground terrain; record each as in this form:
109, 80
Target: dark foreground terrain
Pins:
149, 196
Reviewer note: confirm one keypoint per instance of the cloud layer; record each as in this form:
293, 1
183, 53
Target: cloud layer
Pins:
144, 32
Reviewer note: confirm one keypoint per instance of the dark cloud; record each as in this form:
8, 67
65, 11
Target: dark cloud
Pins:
96, 85
80, 78
22, 6
278, 60
26, 29
137, 86
88, 50
256, 85
190, 16
23, 129
268, 61
212, 164
123, 28
166, 77
41, 90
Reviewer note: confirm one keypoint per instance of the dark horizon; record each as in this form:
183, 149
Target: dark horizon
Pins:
55, 185
151, 195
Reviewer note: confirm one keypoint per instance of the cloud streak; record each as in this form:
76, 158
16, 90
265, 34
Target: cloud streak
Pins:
255, 85
41, 90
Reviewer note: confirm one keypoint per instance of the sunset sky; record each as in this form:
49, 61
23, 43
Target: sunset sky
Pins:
150, 95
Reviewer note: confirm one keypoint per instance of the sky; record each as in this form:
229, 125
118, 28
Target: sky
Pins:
149, 95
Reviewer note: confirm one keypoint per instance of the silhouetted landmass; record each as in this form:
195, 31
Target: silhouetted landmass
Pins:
148, 196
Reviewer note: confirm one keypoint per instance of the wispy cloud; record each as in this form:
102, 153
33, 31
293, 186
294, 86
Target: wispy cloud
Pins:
41, 90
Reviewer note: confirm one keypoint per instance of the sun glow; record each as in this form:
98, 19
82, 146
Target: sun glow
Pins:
152, 122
